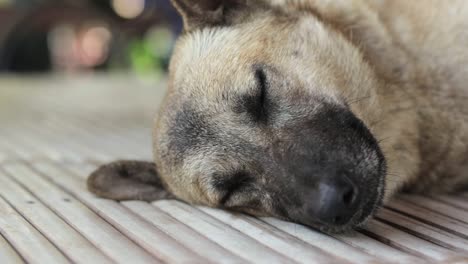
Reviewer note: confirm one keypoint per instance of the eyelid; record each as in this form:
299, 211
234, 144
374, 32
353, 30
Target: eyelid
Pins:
255, 102
262, 81
261, 98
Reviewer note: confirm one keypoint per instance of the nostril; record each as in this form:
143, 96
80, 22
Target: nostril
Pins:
338, 201
348, 196
337, 219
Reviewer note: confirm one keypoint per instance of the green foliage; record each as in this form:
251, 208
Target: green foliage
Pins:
147, 55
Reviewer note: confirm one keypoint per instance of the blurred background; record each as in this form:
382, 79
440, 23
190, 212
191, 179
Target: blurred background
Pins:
81, 80
86, 36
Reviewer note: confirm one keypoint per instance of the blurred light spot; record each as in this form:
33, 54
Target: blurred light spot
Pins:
95, 44
5, 3
128, 8
63, 47
161, 40
76, 48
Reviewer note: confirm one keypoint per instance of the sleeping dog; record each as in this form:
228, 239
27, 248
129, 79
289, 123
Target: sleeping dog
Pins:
313, 111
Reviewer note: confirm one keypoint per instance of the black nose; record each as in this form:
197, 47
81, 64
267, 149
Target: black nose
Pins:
338, 201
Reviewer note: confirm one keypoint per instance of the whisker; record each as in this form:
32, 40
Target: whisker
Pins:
360, 99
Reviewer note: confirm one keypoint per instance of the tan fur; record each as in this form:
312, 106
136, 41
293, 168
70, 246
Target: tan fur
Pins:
192, 52
401, 67
417, 50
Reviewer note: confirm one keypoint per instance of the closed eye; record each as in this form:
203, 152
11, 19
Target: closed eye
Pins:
262, 84
256, 102
260, 109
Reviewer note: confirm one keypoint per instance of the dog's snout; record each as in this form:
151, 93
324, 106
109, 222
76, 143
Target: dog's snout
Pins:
338, 201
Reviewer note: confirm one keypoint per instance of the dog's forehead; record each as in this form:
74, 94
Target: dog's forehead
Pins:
209, 52
212, 52
209, 57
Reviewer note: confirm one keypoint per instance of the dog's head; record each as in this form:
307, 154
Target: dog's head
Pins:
260, 116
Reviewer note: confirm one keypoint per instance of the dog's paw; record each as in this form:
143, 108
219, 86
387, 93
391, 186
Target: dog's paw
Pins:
128, 180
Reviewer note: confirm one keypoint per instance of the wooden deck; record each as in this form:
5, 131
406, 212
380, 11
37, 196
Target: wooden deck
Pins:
54, 132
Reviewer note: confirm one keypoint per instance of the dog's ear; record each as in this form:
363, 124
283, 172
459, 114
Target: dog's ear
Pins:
201, 13
128, 180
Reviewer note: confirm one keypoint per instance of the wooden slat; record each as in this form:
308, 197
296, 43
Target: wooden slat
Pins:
8, 254
90, 225
31, 244
59, 148
221, 233
456, 201
73, 245
408, 242
184, 234
81, 170
41, 148
359, 249
110, 144
425, 231
438, 207
24, 142
18, 150
377, 248
146, 235
6, 152
81, 138
3, 156
430, 217
274, 238
74, 139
